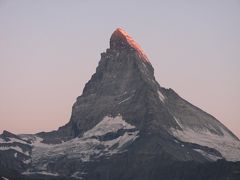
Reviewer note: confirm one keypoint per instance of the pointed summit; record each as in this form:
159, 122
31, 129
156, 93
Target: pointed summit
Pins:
120, 39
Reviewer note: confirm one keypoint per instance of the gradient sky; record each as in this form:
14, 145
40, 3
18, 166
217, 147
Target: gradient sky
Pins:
50, 49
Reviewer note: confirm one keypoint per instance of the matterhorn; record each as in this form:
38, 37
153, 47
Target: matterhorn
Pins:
126, 126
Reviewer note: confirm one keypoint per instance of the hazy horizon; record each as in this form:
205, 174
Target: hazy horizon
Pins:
50, 49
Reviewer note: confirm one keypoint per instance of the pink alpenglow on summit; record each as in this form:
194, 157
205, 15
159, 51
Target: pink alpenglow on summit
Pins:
120, 39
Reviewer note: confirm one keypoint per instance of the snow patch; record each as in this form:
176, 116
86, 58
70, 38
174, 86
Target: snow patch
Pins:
176, 141
16, 148
77, 175
207, 155
108, 124
177, 121
12, 140
28, 161
41, 172
226, 144
4, 178
161, 96
124, 100
89, 146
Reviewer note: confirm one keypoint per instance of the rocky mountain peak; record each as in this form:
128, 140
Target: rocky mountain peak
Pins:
8, 134
121, 40
122, 119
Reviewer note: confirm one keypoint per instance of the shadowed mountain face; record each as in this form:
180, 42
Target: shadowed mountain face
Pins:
124, 120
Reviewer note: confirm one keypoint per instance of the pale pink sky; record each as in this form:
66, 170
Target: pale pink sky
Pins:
50, 49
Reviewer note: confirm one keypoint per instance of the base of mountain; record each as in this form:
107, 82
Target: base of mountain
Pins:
219, 170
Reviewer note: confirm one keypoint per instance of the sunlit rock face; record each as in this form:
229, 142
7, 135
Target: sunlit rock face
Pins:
121, 40
125, 126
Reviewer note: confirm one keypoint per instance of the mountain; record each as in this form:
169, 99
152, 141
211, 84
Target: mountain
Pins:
126, 126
